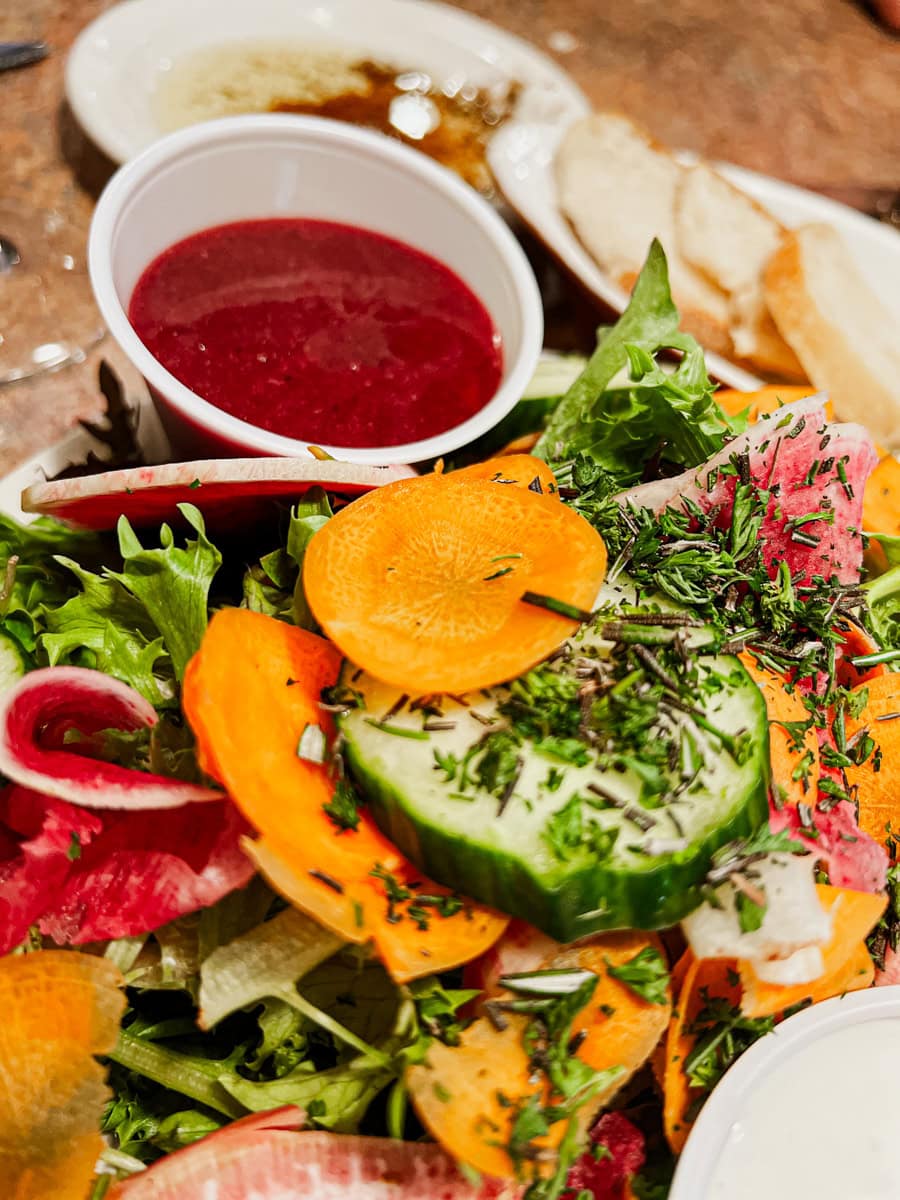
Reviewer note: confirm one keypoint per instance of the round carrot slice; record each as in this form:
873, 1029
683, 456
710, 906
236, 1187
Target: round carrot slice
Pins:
421, 583
517, 470
59, 1009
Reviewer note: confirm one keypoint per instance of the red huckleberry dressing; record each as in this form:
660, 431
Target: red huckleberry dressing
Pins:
319, 331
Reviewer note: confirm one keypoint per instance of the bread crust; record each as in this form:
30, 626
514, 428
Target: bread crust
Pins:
834, 361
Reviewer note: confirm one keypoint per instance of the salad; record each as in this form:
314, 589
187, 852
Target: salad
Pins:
454, 839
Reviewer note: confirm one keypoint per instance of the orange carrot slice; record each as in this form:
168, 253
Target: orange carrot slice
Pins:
712, 977
876, 790
520, 445
856, 642
786, 752
421, 582
522, 470
249, 694
59, 1009
766, 400
457, 1091
848, 965
881, 501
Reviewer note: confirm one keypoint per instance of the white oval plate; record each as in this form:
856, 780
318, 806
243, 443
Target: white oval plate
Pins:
121, 59
521, 156
698, 1162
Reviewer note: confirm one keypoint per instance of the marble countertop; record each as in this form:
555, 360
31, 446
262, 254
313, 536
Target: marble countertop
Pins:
807, 90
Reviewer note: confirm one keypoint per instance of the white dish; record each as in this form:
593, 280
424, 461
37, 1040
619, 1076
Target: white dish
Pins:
521, 157
121, 59
276, 165
729, 1101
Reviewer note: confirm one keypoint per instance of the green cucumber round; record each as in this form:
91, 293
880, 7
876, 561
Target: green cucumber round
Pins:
567, 838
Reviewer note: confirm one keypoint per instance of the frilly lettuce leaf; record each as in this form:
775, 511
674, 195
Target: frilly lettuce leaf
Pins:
620, 428
172, 584
275, 585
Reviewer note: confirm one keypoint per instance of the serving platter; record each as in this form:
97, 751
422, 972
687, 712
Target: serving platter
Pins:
119, 62
521, 157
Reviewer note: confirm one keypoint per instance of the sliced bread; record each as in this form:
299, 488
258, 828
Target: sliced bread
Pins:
843, 335
723, 233
618, 189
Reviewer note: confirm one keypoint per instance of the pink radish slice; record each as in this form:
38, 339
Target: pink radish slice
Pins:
34, 718
263, 1157
231, 492
88, 876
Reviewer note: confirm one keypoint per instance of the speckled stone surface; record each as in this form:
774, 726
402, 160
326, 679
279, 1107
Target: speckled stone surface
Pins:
808, 90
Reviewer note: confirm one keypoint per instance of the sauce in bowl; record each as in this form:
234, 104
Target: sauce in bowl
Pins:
323, 332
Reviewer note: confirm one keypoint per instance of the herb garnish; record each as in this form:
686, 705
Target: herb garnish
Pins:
646, 975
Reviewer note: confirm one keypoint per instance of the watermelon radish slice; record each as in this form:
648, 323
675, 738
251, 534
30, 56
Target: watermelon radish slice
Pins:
44, 705
87, 876
264, 1157
810, 466
231, 492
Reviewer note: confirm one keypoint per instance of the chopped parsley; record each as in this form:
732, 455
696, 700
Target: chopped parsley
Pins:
646, 975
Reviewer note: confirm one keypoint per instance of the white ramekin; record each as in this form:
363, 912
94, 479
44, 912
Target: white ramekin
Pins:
248, 167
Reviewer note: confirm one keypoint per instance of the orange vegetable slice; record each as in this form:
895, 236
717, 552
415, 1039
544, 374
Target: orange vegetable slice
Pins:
785, 751
855, 643
877, 793
60, 1008
848, 964
766, 400
520, 445
520, 470
881, 500
713, 977
457, 1090
249, 694
421, 582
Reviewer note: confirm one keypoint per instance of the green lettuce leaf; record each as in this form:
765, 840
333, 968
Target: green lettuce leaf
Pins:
620, 428
172, 584
113, 627
884, 608
275, 585
30, 577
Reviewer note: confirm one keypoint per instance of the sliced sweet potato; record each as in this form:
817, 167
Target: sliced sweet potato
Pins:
422, 582
457, 1090
848, 965
249, 694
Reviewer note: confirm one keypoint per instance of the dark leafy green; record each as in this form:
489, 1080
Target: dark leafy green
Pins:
274, 586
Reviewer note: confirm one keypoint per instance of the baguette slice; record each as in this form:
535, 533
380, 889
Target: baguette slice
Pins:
726, 235
618, 188
843, 335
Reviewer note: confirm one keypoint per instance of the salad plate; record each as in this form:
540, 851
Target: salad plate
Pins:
122, 59
522, 160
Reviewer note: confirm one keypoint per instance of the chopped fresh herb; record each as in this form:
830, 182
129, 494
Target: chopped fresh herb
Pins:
558, 606
646, 975
343, 807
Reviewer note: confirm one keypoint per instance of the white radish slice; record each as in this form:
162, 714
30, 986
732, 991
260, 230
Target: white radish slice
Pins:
229, 491
794, 918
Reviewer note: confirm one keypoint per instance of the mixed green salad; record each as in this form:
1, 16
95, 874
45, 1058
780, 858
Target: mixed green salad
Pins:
455, 839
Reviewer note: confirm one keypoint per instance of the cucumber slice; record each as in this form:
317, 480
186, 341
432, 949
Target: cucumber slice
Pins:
13, 661
572, 829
